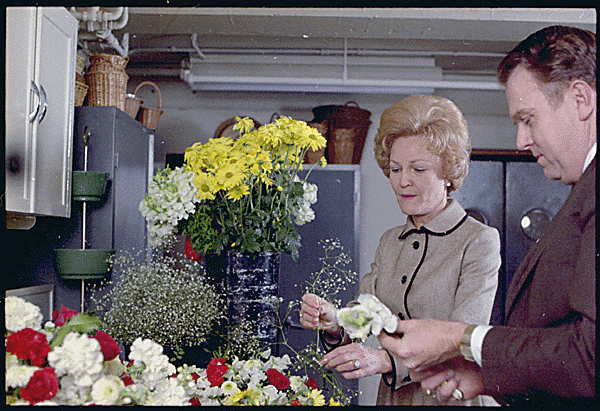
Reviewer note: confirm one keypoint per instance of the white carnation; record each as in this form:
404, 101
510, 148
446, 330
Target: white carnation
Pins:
19, 314
18, 375
79, 356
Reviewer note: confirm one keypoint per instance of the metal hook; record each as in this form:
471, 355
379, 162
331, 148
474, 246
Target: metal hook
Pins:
86, 135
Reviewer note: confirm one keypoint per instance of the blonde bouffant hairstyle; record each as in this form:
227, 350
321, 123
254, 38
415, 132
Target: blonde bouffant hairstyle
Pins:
439, 122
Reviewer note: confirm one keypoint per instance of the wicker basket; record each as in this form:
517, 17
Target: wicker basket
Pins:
117, 62
132, 105
81, 90
107, 88
80, 63
149, 116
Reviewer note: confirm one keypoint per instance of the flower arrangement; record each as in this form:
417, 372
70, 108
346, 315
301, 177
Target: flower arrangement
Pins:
368, 317
70, 361
243, 195
258, 381
167, 300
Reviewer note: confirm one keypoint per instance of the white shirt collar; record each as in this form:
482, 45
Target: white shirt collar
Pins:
590, 156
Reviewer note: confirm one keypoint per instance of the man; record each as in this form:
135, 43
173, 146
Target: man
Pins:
545, 352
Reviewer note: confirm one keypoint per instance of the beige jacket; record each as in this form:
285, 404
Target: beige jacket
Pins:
446, 270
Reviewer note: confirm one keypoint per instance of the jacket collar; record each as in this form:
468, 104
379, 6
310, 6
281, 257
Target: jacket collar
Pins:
444, 223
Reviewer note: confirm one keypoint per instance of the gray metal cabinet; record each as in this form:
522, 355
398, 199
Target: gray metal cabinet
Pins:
336, 217
130, 153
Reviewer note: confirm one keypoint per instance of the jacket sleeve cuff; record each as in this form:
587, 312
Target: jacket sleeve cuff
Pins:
330, 344
391, 378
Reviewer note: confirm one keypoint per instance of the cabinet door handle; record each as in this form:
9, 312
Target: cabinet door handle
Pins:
44, 102
36, 91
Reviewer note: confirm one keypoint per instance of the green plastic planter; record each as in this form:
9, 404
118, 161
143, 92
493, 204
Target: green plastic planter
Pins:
89, 185
82, 264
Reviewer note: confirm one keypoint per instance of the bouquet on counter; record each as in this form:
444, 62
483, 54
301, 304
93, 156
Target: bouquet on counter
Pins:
71, 361
258, 381
243, 195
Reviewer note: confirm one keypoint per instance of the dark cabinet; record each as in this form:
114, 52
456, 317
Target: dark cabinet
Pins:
336, 217
512, 194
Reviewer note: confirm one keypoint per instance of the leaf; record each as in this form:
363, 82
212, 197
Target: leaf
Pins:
82, 323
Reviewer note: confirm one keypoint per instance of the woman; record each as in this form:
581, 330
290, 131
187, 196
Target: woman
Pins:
441, 264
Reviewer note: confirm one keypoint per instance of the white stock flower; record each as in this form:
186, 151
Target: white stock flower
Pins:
169, 393
19, 314
273, 396
107, 390
79, 356
18, 375
171, 197
157, 365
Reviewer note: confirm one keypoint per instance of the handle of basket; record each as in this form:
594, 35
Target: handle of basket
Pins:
351, 102
149, 83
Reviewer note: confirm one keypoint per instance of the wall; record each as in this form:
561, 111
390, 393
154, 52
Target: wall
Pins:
194, 116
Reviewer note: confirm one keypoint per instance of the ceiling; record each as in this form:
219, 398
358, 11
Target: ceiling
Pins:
461, 40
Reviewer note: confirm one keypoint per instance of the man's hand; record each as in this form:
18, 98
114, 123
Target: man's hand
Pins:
444, 379
424, 343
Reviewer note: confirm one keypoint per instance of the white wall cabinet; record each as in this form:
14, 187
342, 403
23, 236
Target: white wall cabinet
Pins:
41, 50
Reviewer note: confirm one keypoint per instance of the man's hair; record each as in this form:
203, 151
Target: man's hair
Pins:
555, 55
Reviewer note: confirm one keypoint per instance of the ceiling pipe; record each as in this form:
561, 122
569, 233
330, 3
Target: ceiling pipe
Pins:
320, 52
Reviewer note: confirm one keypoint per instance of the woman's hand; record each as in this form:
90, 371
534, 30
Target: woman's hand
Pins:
316, 313
357, 360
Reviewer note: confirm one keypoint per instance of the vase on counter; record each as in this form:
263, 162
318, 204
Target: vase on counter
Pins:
250, 283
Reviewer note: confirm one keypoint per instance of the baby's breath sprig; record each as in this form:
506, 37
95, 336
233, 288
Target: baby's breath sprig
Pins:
166, 300
333, 277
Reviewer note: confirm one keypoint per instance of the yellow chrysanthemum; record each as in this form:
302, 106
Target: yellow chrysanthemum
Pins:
316, 398
334, 403
206, 186
238, 192
250, 396
229, 176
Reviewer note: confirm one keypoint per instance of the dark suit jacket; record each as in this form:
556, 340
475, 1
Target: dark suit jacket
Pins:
546, 350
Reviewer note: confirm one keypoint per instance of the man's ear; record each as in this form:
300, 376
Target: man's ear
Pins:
585, 98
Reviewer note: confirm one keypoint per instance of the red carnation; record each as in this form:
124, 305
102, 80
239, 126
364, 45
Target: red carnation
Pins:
195, 401
215, 370
277, 379
189, 251
42, 386
108, 346
61, 317
312, 383
28, 344
295, 403
127, 380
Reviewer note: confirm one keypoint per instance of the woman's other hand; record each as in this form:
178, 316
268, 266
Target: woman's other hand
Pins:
357, 360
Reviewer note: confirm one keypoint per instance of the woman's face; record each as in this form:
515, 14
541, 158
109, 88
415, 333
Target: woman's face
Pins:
417, 179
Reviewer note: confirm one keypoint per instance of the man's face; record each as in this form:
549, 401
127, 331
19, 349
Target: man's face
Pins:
551, 132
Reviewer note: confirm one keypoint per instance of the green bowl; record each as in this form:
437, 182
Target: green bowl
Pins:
80, 264
89, 185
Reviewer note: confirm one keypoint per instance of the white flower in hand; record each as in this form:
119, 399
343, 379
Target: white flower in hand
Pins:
370, 316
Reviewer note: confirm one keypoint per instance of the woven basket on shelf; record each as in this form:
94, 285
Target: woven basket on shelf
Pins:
117, 62
149, 116
81, 90
107, 88
132, 104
